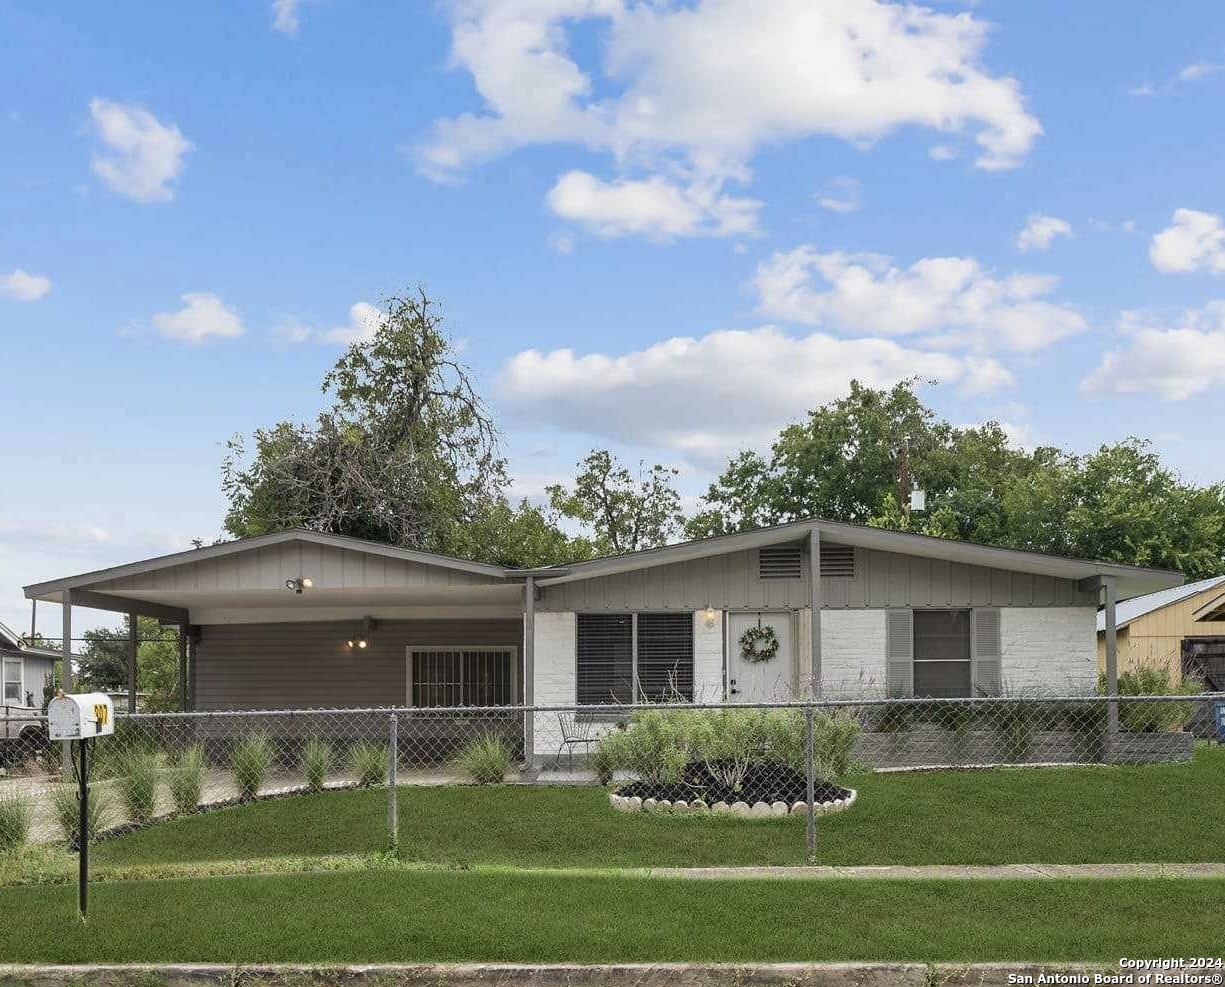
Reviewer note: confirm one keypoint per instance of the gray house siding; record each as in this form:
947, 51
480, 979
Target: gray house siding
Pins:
303, 665
268, 568
881, 580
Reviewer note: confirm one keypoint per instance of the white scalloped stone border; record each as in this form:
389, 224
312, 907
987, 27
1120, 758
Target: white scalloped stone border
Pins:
759, 810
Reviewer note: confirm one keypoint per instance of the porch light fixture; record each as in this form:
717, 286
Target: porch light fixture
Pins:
710, 615
299, 584
362, 639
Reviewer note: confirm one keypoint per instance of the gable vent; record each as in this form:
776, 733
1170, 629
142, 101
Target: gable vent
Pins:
837, 561
781, 561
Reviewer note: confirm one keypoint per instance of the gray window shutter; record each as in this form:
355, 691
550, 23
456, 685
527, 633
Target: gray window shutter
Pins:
985, 651
899, 653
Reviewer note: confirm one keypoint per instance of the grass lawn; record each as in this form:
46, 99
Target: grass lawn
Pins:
1012, 815
453, 916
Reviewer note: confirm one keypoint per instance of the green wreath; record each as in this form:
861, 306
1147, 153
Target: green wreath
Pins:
759, 644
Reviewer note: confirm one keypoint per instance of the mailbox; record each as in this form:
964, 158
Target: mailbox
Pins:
80, 716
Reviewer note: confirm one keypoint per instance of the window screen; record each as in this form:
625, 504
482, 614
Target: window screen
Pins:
605, 658
665, 656
942, 653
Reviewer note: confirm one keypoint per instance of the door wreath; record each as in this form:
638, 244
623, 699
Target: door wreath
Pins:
759, 644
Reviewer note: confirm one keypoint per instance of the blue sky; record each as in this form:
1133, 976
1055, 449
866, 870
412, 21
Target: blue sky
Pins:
667, 228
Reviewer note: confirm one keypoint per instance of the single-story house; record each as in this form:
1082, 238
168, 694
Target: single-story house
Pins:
301, 619
1181, 629
25, 670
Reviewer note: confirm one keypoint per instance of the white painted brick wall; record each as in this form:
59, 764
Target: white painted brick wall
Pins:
852, 653
708, 657
1048, 649
556, 635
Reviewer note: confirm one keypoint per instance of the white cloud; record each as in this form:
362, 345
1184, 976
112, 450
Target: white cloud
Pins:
562, 243
1194, 241
143, 156
1194, 72
1040, 232
1173, 363
952, 299
203, 316
364, 319
653, 207
285, 16
694, 90
707, 397
840, 195
1200, 70
24, 286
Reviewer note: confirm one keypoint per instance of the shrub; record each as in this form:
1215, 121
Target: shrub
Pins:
250, 763
654, 747
137, 784
68, 811
369, 763
484, 759
186, 779
1015, 723
727, 741
602, 763
1154, 717
833, 738
316, 763
14, 823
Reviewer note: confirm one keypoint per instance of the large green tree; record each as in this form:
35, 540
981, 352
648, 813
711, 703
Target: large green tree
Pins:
624, 511
406, 454
843, 463
103, 663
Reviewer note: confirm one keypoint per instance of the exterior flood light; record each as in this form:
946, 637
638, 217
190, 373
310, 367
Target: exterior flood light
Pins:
361, 640
299, 584
918, 500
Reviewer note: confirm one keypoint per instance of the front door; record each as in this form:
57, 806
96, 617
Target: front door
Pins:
759, 681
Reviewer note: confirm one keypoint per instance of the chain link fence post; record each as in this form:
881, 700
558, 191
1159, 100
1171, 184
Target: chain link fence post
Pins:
393, 779
810, 788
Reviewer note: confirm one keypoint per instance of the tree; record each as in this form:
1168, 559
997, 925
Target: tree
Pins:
407, 455
626, 512
1117, 504
103, 664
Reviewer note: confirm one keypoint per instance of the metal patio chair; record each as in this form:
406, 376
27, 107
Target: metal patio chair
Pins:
574, 731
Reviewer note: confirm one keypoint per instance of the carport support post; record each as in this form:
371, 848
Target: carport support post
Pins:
133, 644
1110, 599
814, 602
529, 671
183, 632
66, 671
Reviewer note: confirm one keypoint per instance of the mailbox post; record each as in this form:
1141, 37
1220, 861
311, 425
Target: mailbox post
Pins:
81, 718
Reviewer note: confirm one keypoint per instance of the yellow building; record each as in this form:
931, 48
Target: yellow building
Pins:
1182, 629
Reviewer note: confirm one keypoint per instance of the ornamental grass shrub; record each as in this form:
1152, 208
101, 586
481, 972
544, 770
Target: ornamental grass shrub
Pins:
137, 775
250, 763
369, 763
15, 816
67, 811
484, 759
186, 779
1154, 717
316, 762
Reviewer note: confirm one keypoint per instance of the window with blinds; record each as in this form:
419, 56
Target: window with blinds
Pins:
616, 650
605, 646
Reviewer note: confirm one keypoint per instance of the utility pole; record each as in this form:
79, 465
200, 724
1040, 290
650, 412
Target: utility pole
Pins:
903, 478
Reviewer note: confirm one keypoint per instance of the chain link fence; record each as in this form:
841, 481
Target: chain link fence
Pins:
747, 759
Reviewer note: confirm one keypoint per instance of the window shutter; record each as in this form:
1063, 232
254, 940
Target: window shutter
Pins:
985, 651
899, 653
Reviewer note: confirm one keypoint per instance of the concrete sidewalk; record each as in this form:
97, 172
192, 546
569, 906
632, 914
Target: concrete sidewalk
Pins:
959, 872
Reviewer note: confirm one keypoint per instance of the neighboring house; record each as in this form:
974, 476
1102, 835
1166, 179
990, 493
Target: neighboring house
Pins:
1182, 629
24, 670
301, 619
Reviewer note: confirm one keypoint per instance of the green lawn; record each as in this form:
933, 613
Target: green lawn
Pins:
1017, 815
453, 916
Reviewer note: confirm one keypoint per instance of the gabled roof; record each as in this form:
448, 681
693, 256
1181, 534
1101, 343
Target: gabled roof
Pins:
1133, 609
11, 641
48, 589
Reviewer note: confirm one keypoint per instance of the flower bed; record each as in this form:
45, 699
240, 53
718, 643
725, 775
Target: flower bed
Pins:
767, 788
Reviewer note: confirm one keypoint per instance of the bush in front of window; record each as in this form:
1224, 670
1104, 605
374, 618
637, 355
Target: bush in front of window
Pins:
484, 760
655, 748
